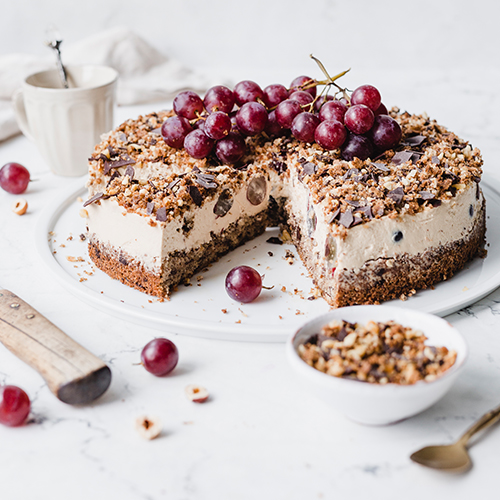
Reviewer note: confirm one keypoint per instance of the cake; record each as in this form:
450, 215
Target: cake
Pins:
366, 230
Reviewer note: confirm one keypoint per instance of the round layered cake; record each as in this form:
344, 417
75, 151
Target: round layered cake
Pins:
368, 230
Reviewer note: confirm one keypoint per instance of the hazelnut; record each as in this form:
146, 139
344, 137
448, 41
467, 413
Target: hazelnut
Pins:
196, 393
20, 206
148, 427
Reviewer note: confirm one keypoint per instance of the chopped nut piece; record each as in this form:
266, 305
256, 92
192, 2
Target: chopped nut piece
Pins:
148, 427
20, 206
196, 393
83, 213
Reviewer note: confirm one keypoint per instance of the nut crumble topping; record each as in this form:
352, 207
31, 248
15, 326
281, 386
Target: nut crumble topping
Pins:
144, 175
379, 353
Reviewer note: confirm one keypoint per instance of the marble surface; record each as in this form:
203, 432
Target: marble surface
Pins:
260, 435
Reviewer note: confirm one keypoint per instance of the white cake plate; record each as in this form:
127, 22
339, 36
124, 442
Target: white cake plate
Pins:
205, 310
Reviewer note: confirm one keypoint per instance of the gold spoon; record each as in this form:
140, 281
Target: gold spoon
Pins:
454, 457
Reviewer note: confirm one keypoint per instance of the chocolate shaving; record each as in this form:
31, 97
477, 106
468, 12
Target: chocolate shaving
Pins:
130, 172
122, 137
307, 169
435, 203
333, 216
97, 196
342, 334
112, 152
425, 195
346, 218
396, 195
156, 130
274, 240
122, 162
402, 157
195, 194
150, 207
114, 175
361, 178
436, 160
350, 173
161, 214
353, 203
100, 156
448, 174
356, 220
381, 166
172, 184
416, 140
205, 180
367, 210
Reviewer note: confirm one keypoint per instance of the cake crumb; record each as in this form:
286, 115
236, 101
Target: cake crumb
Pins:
289, 257
75, 259
224, 311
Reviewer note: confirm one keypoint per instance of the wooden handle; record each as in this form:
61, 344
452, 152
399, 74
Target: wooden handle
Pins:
72, 373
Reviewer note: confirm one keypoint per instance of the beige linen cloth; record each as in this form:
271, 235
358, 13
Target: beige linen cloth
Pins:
146, 75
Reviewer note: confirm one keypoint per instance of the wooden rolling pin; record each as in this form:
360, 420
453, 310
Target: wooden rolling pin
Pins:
72, 373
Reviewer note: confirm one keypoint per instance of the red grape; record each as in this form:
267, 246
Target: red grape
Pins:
251, 118
301, 81
286, 112
357, 146
274, 94
174, 131
188, 104
243, 283
302, 97
273, 128
333, 110
322, 100
231, 149
381, 110
247, 91
219, 98
217, 125
304, 125
330, 134
159, 356
14, 405
198, 144
386, 132
14, 178
367, 95
359, 119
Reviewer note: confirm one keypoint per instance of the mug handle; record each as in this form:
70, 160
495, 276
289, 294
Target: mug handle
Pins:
20, 112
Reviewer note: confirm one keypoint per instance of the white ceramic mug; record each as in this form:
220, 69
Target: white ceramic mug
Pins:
66, 124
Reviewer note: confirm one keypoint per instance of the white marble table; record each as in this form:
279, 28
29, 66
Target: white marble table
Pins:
259, 436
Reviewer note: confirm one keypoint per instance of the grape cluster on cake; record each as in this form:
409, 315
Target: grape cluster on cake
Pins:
379, 204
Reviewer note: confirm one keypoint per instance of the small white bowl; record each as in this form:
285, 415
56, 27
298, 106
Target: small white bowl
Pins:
376, 404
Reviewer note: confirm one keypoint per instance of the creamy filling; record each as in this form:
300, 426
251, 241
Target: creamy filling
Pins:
147, 243
388, 237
